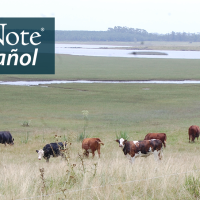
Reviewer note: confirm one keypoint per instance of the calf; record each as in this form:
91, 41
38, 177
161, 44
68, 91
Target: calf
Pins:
144, 148
6, 137
90, 145
193, 132
159, 136
52, 149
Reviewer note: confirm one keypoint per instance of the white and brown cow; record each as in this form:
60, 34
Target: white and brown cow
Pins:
143, 148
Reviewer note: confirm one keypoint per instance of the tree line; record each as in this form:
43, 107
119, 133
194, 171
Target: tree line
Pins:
124, 34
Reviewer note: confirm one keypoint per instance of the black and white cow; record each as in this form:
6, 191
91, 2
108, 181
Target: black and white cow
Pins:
6, 137
52, 149
144, 148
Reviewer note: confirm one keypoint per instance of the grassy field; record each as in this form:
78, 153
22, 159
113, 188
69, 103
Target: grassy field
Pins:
134, 109
108, 68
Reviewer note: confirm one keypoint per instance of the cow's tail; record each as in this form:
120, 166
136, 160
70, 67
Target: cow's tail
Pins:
165, 140
99, 141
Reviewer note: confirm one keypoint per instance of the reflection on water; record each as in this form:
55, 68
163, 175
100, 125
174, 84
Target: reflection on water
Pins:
35, 83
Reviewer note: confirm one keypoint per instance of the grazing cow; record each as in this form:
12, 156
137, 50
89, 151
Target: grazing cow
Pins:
6, 137
90, 145
143, 148
52, 149
193, 132
159, 136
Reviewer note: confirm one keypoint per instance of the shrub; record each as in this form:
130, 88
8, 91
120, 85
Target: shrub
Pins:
123, 135
26, 123
81, 137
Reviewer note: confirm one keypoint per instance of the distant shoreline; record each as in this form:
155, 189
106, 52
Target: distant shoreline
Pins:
147, 45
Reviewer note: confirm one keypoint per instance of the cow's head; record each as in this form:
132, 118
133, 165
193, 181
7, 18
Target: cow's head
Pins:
12, 142
121, 142
40, 154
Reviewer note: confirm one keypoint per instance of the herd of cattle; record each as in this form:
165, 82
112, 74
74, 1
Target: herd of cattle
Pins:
152, 144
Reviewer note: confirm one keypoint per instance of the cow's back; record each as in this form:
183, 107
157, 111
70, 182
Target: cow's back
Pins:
193, 132
159, 136
142, 146
6, 137
156, 144
85, 143
89, 143
194, 129
135, 147
52, 149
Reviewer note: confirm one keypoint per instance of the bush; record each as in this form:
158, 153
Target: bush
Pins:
81, 137
123, 135
26, 123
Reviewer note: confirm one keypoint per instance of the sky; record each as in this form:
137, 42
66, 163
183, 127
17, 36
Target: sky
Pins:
154, 16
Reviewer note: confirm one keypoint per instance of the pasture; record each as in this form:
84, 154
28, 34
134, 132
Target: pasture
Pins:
135, 109
109, 68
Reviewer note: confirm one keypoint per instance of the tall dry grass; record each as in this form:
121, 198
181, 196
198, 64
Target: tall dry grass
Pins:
110, 177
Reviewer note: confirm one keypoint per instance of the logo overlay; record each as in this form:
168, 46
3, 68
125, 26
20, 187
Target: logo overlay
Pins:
27, 45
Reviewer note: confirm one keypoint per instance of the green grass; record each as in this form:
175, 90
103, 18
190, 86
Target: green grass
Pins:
135, 109
112, 108
108, 68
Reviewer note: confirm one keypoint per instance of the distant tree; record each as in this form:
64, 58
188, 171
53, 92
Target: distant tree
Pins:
119, 33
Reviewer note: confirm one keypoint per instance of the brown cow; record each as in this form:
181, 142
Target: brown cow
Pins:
193, 132
159, 136
90, 145
143, 148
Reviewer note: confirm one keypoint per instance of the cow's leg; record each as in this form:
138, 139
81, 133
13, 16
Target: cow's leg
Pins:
47, 159
155, 153
63, 155
164, 144
5, 144
93, 154
86, 153
99, 152
160, 154
132, 159
193, 138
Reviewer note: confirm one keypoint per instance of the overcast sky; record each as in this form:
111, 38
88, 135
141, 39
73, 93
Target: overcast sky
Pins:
160, 16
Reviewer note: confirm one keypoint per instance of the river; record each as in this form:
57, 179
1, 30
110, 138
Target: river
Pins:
36, 83
107, 51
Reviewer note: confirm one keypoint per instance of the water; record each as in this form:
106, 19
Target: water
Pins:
36, 83
86, 46
102, 50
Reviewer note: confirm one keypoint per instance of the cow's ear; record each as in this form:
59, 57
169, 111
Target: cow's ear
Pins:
125, 141
37, 151
117, 141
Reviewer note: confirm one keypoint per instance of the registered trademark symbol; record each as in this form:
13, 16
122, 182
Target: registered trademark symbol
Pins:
42, 29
